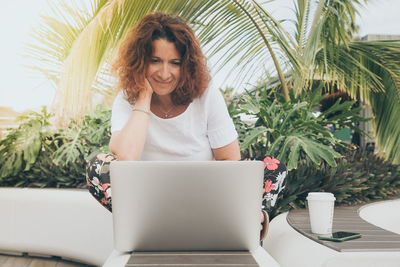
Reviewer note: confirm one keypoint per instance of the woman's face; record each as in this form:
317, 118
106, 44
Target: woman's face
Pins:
164, 68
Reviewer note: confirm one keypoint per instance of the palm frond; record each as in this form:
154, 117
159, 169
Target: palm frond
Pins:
302, 11
95, 41
78, 46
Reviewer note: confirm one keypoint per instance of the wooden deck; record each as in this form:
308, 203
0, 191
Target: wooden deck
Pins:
28, 261
347, 219
215, 258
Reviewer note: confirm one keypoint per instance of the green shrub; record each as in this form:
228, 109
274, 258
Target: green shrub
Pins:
36, 155
358, 178
21, 147
290, 130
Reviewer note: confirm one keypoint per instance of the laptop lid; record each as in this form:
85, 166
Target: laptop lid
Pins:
183, 205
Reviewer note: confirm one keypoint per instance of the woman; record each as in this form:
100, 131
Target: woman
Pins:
165, 110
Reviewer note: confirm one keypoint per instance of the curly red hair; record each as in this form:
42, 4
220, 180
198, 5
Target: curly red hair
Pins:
136, 51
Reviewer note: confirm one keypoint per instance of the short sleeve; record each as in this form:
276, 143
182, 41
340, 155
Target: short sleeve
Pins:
220, 128
121, 112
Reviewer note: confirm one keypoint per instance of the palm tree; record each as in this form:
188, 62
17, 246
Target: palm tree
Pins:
241, 32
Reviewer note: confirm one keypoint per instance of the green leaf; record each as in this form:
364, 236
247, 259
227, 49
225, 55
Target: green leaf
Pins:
21, 147
294, 156
253, 135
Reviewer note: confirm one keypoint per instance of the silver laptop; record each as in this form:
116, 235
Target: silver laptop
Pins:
186, 206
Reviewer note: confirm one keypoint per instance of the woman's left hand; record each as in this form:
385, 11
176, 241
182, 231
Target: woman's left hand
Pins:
264, 225
264, 222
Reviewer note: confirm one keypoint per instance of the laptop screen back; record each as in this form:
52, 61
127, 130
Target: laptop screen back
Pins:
186, 206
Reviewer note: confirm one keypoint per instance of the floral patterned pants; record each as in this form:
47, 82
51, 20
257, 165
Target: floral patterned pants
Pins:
98, 180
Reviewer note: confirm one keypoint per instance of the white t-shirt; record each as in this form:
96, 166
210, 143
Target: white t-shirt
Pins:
203, 126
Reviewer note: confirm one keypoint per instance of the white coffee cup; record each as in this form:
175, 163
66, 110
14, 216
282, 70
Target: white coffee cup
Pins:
320, 209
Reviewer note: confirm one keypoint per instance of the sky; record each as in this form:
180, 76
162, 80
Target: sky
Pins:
21, 89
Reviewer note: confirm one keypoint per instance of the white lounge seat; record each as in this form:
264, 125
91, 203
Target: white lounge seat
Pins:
68, 223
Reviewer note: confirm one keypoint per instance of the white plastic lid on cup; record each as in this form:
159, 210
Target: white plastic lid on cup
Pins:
321, 196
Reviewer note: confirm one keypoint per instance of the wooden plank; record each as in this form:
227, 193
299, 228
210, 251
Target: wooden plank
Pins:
14, 261
3, 259
347, 219
62, 263
192, 259
37, 262
27, 261
368, 247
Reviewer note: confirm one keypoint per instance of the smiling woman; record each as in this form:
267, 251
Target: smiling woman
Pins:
166, 110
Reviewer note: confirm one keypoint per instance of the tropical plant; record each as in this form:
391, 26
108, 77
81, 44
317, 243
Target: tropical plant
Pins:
21, 147
290, 130
37, 155
85, 138
245, 34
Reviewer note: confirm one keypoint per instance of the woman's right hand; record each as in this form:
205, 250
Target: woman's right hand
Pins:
144, 98
147, 91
